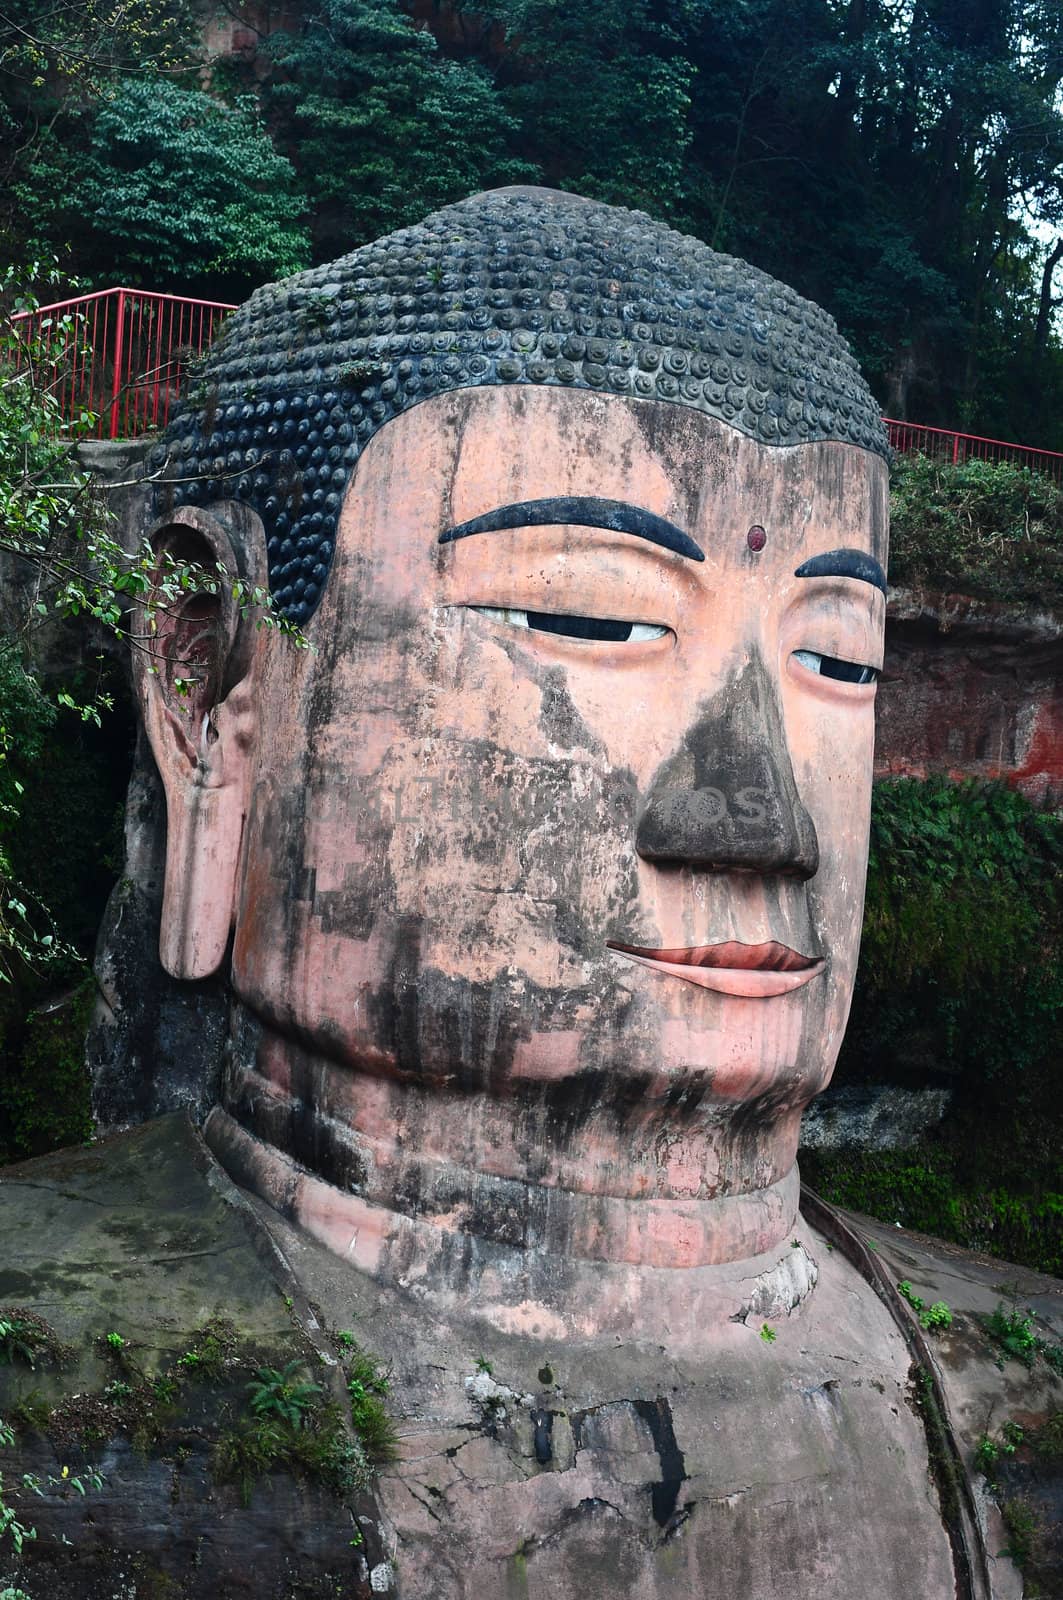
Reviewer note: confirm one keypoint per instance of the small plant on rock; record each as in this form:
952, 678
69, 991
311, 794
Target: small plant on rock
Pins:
1023, 1531
212, 1350
248, 1451
329, 1453
15, 1342
989, 1451
283, 1394
31, 1412
987, 1456
905, 1290
366, 1387
936, 1318
27, 1339
1014, 1332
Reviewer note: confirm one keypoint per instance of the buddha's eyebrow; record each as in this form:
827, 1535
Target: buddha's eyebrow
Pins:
587, 511
844, 564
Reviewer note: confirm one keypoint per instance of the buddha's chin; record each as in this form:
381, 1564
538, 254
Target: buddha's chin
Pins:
630, 1043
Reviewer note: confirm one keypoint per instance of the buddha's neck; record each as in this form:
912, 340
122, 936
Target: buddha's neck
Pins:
395, 1176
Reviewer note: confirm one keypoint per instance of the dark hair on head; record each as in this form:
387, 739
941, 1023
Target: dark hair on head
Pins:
513, 286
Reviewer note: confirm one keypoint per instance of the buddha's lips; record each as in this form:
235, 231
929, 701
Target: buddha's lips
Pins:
750, 971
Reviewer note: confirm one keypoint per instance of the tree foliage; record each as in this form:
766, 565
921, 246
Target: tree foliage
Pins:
60, 60
382, 127
63, 558
961, 985
962, 958
602, 94
176, 190
238, 217
897, 160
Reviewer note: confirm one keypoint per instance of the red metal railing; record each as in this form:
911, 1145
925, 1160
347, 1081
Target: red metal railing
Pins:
910, 438
121, 354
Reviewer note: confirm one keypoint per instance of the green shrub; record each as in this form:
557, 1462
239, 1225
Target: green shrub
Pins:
961, 969
249, 1451
171, 188
929, 1189
327, 1452
1024, 1531
61, 786
367, 1386
936, 1318
284, 1394
984, 528
961, 984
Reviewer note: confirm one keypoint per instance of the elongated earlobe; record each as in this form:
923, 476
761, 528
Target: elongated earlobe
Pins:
191, 664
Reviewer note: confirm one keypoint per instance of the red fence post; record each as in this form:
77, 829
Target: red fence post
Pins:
116, 386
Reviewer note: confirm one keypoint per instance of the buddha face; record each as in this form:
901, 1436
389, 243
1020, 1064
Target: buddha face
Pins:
568, 800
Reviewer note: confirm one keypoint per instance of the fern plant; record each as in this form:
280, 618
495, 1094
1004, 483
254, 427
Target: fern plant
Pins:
283, 1393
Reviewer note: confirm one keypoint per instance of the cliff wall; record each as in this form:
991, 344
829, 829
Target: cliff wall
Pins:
972, 688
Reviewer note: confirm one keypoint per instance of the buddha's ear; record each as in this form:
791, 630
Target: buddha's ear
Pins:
193, 652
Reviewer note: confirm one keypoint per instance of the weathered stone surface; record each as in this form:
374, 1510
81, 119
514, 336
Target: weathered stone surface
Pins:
144, 1236
539, 943
155, 1045
982, 1387
791, 1467
972, 689
872, 1117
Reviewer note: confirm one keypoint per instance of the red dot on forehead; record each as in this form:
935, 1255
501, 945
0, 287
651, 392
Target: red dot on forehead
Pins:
756, 538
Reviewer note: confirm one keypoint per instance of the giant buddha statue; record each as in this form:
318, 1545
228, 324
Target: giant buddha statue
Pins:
537, 877
543, 866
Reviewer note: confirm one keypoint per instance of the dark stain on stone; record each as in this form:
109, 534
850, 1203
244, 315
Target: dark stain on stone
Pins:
727, 799
559, 720
657, 1415
544, 1428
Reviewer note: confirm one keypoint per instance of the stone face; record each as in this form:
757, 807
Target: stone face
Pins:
537, 937
155, 1045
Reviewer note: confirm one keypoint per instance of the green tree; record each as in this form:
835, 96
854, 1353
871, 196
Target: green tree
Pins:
178, 191
56, 62
602, 92
379, 125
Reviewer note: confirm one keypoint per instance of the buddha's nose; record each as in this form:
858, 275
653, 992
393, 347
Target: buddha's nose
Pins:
727, 800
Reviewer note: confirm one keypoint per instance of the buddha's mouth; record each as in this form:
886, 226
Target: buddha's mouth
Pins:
750, 971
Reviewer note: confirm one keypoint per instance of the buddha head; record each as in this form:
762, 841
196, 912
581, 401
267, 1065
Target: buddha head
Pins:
538, 861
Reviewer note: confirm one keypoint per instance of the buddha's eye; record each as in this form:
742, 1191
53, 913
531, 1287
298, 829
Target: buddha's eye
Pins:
572, 627
833, 667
